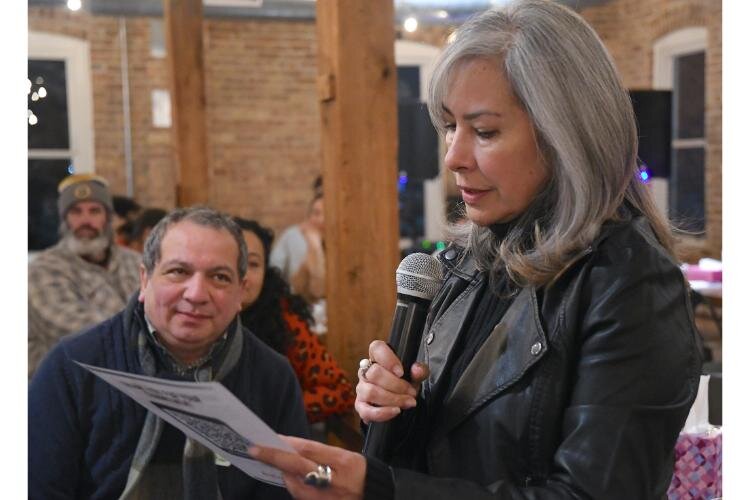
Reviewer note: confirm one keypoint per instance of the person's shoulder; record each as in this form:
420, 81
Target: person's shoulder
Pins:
126, 254
49, 258
93, 340
264, 357
51, 266
631, 243
285, 245
293, 232
92, 346
624, 258
294, 321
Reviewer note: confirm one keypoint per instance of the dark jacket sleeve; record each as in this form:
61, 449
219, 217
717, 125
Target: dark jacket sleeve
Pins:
632, 387
54, 436
637, 377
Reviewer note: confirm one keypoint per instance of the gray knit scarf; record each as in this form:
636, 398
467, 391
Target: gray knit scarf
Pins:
199, 477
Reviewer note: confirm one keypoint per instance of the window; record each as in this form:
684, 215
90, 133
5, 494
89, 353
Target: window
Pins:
687, 185
421, 202
679, 65
60, 127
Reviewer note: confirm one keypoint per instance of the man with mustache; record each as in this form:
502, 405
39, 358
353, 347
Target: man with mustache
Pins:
89, 440
85, 278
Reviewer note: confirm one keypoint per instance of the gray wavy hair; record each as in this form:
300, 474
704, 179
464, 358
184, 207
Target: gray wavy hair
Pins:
564, 78
202, 216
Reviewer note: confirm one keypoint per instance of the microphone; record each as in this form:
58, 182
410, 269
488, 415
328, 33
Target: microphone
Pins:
418, 279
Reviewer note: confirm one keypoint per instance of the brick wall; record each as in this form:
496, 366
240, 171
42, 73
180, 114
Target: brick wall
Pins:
262, 111
629, 29
264, 121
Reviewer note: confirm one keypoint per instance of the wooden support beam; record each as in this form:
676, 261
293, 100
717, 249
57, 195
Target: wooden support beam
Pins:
183, 22
357, 92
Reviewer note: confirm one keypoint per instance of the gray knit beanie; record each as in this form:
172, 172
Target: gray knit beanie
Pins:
82, 187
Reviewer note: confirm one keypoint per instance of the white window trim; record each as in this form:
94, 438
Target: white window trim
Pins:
677, 43
76, 54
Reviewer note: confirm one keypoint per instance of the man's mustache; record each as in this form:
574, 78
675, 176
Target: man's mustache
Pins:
90, 228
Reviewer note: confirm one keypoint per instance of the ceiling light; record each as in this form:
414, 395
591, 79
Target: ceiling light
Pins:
42, 92
442, 14
35, 97
33, 119
410, 24
74, 4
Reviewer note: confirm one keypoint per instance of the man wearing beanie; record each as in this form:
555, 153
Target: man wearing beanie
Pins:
85, 278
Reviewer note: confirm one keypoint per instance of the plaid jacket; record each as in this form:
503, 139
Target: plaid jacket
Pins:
68, 294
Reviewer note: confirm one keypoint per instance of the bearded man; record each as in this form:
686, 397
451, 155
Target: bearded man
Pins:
85, 278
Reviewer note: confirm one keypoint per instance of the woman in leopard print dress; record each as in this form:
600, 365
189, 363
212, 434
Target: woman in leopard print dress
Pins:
282, 320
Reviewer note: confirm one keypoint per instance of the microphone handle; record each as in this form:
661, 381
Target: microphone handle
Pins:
406, 332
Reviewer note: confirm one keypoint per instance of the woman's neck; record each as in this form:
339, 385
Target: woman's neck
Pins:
501, 229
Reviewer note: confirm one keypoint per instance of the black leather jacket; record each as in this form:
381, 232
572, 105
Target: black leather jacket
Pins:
579, 392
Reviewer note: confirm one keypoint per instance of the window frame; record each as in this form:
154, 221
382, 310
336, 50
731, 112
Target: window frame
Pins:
665, 50
76, 55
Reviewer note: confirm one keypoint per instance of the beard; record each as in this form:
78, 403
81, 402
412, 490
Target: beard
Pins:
90, 248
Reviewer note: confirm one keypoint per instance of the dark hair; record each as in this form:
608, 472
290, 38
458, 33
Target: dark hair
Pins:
264, 316
202, 216
125, 230
146, 220
318, 184
123, 205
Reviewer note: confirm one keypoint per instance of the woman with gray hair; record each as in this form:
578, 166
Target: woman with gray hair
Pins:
559, 359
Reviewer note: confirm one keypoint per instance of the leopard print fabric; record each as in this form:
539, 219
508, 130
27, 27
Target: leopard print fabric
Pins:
325, 388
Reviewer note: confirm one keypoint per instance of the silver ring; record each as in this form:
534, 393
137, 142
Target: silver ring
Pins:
320, 478
364, 365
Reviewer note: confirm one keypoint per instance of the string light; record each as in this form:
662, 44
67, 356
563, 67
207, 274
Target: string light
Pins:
410, 24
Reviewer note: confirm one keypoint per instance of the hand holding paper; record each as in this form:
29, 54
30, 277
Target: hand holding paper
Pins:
348, 476
206, 412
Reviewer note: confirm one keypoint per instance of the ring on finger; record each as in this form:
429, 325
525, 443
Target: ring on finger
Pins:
364, 365
320, 478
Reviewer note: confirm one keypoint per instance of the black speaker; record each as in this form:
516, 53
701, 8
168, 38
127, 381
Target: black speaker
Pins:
653, 115
417, 141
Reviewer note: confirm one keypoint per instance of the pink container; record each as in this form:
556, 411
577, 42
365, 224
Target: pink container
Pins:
695, 273
697, 468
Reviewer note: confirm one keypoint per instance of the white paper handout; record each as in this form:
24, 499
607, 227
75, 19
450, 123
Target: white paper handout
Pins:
206, 412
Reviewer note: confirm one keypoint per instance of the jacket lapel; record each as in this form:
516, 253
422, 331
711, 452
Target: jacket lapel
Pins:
514, 345
441, 337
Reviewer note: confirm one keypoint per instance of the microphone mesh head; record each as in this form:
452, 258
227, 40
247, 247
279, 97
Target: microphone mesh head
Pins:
419, 275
